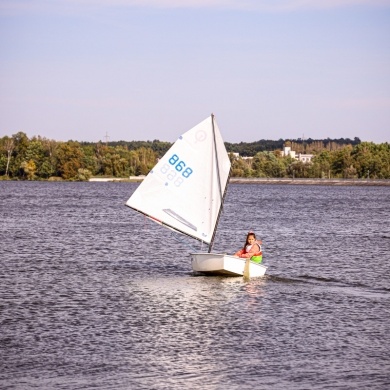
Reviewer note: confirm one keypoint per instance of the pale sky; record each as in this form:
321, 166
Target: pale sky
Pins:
152, 69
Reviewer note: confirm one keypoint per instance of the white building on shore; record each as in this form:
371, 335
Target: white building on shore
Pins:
306, 158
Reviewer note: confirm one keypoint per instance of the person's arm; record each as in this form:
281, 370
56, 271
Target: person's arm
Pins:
239, 253
255, 249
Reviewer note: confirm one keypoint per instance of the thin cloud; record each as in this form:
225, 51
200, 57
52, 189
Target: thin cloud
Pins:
266, 5
259, 5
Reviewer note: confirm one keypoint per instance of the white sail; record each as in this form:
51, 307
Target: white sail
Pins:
184, 191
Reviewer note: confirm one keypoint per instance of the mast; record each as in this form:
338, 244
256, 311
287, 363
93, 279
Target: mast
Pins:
220, 187
219, 215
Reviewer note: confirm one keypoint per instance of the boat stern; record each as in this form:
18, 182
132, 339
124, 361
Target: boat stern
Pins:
223, 264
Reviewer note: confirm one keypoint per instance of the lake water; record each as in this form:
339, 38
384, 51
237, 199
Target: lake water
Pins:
95, 296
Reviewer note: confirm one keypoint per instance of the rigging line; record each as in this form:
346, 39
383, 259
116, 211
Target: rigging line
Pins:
219, 213
220, 187
216, 158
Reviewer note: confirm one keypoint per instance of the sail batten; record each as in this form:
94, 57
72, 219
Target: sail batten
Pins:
184, 191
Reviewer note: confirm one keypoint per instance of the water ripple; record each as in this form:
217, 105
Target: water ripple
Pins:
94, 296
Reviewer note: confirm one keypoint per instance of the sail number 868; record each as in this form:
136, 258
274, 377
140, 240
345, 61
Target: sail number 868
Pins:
179, 165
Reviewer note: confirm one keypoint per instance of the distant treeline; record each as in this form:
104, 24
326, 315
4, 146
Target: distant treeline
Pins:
248, 149
159, 147
44, 159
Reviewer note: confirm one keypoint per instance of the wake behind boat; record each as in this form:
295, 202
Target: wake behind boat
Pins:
185, 192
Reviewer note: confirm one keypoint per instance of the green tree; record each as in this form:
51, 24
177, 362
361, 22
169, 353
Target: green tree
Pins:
133, 162
299, 169
35, 153
69, 156
241, 167
268, 164
322, 164
83, 174
20, 141
29, 168
342, 163
7, 146
372, 160
90, 159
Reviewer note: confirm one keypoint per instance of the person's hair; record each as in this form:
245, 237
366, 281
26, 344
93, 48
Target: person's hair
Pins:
247, 236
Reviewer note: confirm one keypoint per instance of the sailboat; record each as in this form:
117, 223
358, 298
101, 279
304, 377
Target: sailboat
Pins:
185, 192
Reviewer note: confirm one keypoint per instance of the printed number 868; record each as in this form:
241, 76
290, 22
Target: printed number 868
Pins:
179, 165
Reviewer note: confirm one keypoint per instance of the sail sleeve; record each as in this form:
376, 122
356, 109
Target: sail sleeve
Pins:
183, 190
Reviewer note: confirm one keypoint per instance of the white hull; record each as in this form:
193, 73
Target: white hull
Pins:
222, 264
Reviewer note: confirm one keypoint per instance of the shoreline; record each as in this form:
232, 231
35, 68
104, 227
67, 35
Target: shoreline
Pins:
324, 182
251, 180
284, 181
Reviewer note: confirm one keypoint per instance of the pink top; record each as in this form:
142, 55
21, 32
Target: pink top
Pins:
249, 250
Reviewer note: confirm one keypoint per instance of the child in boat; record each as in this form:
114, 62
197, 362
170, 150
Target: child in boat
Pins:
251, 248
